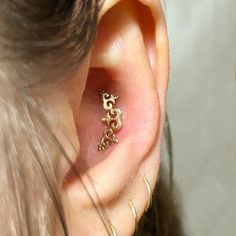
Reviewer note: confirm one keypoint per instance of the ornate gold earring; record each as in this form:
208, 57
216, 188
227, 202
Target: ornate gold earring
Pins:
108, 139
112, 119
108, 99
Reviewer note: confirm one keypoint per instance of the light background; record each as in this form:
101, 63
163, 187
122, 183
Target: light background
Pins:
202, 112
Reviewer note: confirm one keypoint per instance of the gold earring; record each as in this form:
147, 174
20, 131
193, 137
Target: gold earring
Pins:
135, 216
113, 231
149, 189
108, 99
112, 119
107, 140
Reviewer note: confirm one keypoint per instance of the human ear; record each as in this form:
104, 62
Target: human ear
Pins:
129, 59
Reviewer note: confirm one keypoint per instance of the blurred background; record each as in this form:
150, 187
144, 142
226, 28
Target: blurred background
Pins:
202, 113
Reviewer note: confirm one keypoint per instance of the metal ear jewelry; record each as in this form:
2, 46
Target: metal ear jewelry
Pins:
135, 216
113, 231
133, 209
108, 139
113, 120
108, 99
149, 189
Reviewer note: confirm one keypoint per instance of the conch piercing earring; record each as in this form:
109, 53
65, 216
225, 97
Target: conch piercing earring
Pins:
108, 139
112, 119
108, 99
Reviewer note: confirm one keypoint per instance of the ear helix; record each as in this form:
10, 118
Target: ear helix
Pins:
113, 120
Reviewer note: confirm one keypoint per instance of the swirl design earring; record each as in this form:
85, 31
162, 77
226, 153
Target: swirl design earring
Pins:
108, 99
112, 119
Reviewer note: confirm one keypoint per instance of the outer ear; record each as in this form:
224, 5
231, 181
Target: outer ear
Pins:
129, 59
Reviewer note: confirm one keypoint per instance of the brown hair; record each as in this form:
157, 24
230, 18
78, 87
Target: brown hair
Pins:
35, 37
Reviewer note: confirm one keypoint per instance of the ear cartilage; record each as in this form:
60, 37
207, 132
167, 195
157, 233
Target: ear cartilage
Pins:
113, 120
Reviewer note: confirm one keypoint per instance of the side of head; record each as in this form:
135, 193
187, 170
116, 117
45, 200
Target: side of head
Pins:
55, 56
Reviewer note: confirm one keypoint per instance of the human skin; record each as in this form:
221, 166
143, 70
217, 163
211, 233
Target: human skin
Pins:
129, 58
